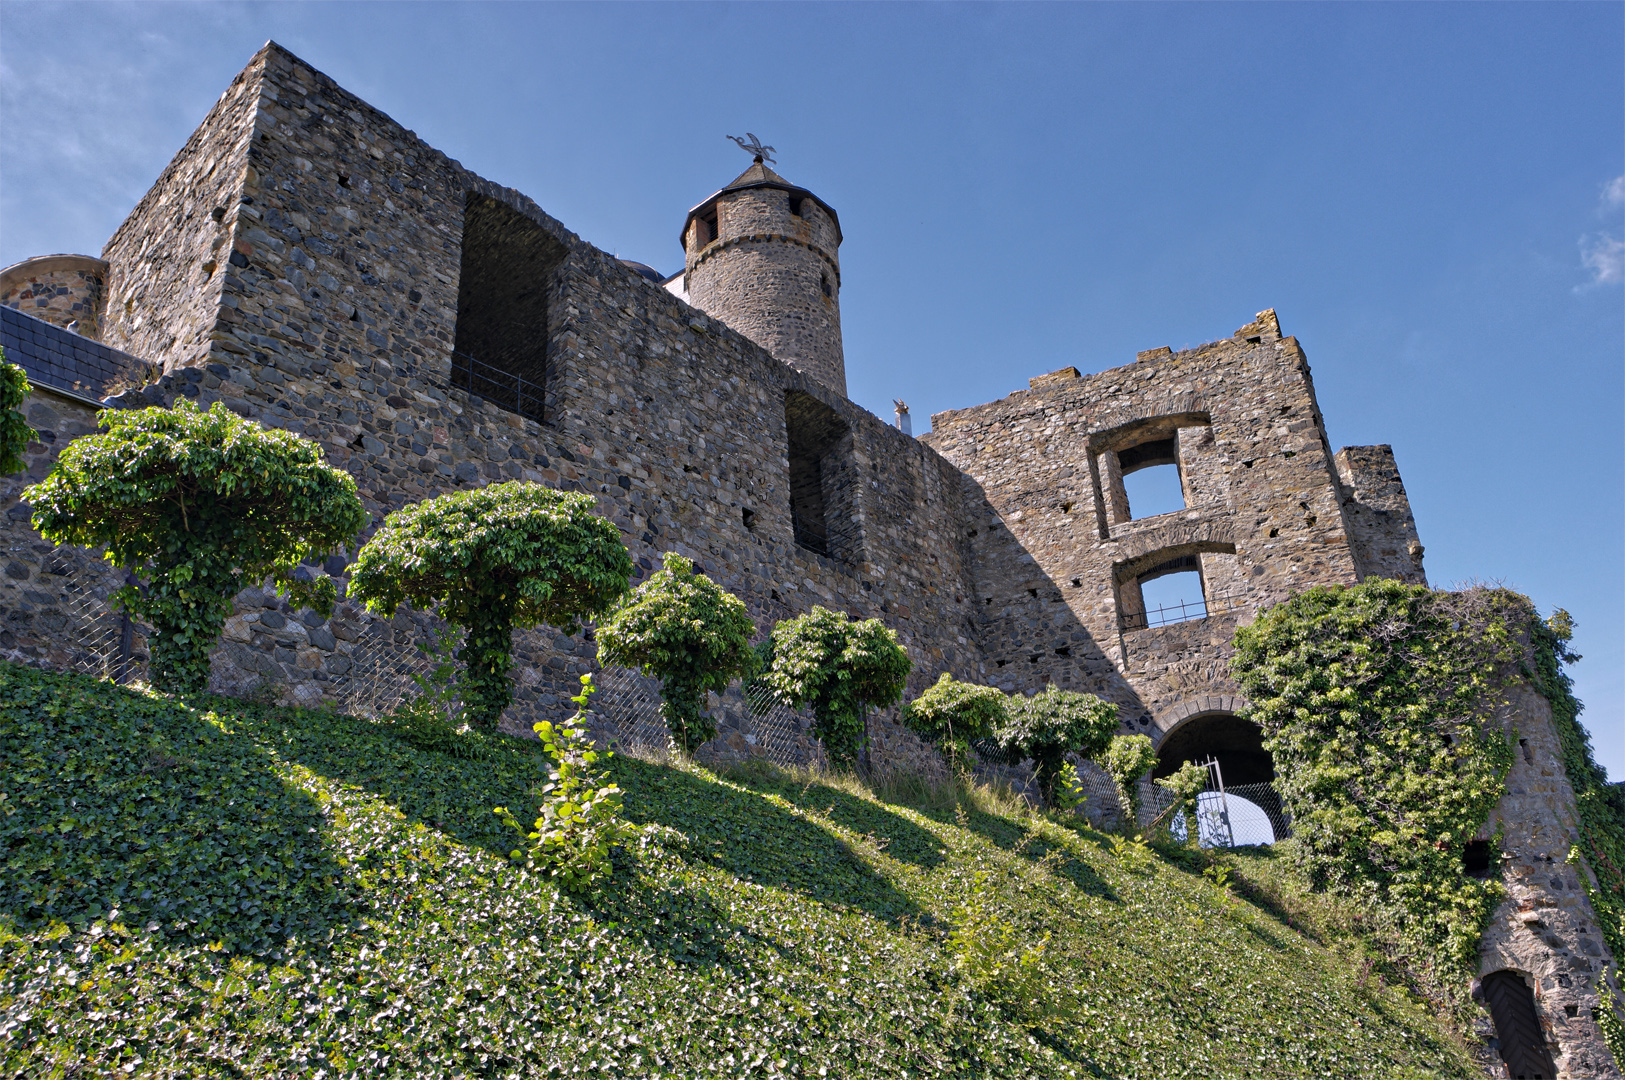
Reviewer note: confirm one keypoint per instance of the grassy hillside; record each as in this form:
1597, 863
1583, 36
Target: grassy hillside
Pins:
210, 888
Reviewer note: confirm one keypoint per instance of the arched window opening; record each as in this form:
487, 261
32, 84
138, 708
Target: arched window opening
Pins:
1172, 592
1517, 1026
508, 265
1152, 483
1172, 585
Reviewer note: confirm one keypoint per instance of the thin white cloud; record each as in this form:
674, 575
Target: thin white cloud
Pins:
1604, 256
1604, 253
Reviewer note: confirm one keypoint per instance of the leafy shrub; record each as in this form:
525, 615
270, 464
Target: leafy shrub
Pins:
495, 558
953, 714
432, 718
994, 960
1127, 758
1049, 725
211, 502
579, 819
1374, 699
1070, 794
1186, 785
14, 430
688, 632
842, 668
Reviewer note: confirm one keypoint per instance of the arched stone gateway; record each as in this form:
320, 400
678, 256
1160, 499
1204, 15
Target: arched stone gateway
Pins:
1210, 728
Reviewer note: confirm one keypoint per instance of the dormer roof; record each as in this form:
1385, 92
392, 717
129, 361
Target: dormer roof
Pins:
759, 176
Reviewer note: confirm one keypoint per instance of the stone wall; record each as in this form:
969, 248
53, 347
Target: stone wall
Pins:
63, 290
339, 322
1382, 531
1056, 552
1546, 929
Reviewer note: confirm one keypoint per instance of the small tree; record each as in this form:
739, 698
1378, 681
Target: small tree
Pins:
1186, 786
841, 668
688, 632
210, 502
495, 558
953, 714
1048, 726
14, 430
1128, 758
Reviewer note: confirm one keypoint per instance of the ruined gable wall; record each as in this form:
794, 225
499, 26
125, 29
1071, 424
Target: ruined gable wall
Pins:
170, 260
1052, 559
1382, 530
341, 327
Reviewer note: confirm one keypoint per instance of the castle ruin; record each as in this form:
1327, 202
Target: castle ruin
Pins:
317, 267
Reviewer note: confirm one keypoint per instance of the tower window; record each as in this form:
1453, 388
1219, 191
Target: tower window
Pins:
708, 230
823, 283
795, 206
508, 265
1151, 478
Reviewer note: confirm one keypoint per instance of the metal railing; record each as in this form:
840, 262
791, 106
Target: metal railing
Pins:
1184, 611
501, 388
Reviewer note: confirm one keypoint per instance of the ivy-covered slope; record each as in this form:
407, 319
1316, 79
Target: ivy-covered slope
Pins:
209, 888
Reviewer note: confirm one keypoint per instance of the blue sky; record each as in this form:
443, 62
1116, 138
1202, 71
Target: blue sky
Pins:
1429, 195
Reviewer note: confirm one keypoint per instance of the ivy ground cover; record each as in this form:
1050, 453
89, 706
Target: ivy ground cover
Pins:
207, 888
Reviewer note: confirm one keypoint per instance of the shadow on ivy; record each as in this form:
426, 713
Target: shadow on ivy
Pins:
1016, 838
751, 838
143, 811
897, 835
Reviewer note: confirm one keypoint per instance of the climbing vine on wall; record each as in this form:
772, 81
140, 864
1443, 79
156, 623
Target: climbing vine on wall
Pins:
1375, 701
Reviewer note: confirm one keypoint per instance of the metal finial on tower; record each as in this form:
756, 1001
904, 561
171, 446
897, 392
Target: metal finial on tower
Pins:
755, 148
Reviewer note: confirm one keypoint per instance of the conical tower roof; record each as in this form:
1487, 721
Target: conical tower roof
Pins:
757, 176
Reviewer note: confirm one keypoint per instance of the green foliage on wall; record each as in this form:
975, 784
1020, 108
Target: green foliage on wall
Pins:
15, 433
1126, 760
841, 667
1049, 725
1374, 701
687, 631
495, 558
210, 503
951, 714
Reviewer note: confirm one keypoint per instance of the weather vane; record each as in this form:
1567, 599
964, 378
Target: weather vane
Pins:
754, 147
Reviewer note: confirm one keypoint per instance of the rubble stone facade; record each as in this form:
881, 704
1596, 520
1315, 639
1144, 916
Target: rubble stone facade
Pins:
317, 267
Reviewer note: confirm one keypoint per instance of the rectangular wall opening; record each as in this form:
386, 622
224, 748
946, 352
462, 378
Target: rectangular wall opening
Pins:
823, 479
508, 270
1151, 481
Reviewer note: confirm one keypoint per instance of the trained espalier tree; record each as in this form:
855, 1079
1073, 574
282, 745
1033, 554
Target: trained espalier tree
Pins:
1126, 759
14, 430
493, 559
1049, 725
1376, 702
951, 714
209, 503
687, 631
841, 667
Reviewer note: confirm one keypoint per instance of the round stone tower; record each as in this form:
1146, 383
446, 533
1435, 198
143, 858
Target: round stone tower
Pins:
761, 255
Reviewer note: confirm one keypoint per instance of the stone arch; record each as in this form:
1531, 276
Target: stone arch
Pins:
1212, 727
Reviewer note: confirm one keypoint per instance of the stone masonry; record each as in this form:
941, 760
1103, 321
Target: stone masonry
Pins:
316, 267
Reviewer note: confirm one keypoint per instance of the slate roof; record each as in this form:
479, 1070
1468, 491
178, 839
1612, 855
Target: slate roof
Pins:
59, 358
759, 175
